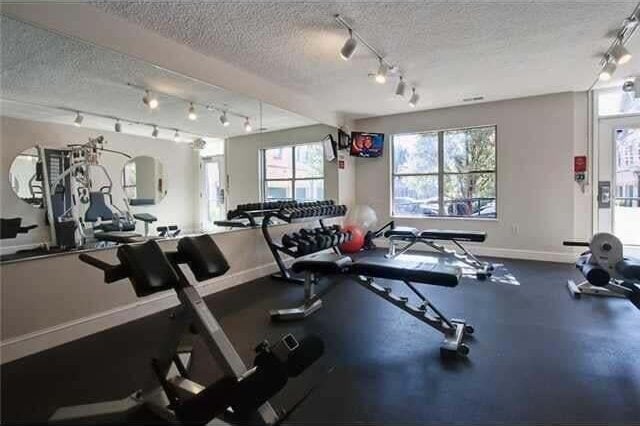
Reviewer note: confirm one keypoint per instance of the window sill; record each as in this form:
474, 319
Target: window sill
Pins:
456, 218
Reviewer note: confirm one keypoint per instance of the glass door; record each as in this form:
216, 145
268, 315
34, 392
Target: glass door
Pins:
618, 194
212, 191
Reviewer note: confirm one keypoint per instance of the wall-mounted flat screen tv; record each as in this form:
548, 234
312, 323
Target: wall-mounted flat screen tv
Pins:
365, 144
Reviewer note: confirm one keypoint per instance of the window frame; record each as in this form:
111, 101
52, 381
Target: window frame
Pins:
441, 173
263, 170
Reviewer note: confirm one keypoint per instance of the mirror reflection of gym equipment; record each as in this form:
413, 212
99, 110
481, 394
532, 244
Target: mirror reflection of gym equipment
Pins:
320, 213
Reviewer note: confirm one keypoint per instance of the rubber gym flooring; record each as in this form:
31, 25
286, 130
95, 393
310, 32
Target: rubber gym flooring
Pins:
538, 356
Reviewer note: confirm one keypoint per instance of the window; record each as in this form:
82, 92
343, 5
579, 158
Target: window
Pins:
616, 102
293, 172
445, 173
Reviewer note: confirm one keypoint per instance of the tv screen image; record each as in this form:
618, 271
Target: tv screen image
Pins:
364, 144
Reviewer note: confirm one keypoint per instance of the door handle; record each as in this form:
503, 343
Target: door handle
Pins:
604, 194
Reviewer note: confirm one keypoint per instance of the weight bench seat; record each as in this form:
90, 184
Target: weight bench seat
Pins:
629, 268
416, 272
123, 237
450, 235
402, 231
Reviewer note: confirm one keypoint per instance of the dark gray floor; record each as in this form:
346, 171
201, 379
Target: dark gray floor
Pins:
538, 356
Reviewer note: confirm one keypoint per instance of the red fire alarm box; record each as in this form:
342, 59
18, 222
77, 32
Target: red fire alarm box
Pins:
580, 170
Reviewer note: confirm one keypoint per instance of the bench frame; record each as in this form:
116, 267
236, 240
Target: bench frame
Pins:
396, 248
453, 330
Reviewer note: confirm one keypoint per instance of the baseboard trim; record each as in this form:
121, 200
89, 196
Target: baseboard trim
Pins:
38, 341
482, 250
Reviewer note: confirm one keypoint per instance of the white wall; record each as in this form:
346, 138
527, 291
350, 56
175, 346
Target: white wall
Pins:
178, 207
539, 205
242, 161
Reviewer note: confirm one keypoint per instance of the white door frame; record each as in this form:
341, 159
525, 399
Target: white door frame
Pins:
220, 159
604, 162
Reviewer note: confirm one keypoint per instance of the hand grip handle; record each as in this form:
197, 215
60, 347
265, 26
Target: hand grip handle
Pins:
575, 244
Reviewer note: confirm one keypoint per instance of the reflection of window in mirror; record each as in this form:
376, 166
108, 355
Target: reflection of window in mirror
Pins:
293, 172
129, 185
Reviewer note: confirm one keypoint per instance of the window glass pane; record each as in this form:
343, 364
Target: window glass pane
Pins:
309, 161
415, 195
278, 163
279, 190
310, 190
617, 102
415, 153
470, 150
470, 194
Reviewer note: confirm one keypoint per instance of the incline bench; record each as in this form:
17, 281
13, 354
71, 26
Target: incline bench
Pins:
364, 271
412, 236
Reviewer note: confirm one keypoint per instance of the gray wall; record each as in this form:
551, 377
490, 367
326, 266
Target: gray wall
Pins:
539, 205
242, 161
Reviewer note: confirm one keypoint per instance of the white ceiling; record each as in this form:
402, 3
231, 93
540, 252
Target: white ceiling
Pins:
449, 49
48, 69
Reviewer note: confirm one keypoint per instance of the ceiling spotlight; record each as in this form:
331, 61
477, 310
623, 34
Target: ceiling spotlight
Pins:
349, 47
78, 119
247, 125
620, 54
118, 126
224, 120
176, 136
192, 112
154, 134
400, 88
607, 71
381, 75
413, 101
150, 100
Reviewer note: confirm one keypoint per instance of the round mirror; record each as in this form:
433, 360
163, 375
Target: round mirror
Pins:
24, 178
144, 181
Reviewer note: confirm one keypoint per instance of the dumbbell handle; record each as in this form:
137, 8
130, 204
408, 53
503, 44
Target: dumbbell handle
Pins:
575, 244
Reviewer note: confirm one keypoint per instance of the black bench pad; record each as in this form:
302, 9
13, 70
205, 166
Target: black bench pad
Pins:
393, 269
629, 269
402, 231
450, 235
119, 237
416, 272
323, 263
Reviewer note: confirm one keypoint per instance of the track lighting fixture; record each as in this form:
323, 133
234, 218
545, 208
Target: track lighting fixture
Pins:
607, 70
247, 125
401, 87
150, 100
155, 132
620, 54
630, 23
176, 136
78, 119
349, 47
381, 75
413, 101
224, 120
118, 126
192, 112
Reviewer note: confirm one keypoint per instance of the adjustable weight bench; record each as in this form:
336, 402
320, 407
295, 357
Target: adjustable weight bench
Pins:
364, 271
411, 236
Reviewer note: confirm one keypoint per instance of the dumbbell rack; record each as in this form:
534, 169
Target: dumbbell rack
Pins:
277, 249
251, 211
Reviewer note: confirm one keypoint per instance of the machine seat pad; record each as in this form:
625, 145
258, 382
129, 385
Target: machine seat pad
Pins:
204, 257
629, 268
124, 237
149, 269
450, 235
402, 231
323, 263
412, 271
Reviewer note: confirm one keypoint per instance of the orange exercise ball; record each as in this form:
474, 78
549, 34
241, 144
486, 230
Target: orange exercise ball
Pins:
356, 242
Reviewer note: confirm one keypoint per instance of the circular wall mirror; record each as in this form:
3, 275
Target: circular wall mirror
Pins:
144, 181
25, 178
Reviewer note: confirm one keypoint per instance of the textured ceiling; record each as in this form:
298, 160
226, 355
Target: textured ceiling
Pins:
41, 67
449, 49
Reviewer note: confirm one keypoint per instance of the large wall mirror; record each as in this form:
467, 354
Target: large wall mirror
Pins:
174, 151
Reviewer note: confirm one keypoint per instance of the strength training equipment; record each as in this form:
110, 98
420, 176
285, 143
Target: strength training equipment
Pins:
355, 243
399, 235
242, 395
606, 270
364, 271
306, 241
